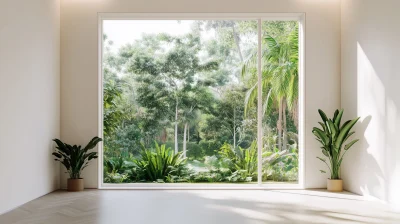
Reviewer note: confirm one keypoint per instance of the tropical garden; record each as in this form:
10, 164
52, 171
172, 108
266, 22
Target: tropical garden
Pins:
181, 107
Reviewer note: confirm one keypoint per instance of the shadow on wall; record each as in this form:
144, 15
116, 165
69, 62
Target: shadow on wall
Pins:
364, 166
373, 184
378, 96
370, 50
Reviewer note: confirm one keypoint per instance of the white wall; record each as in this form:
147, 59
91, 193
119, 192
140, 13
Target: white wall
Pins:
79, 58
30, 99
371, 89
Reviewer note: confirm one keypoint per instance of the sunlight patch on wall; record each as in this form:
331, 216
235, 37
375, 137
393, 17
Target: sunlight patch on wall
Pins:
392, 155
371, 103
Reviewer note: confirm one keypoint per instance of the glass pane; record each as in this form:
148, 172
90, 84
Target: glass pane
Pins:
280, 99
179, 102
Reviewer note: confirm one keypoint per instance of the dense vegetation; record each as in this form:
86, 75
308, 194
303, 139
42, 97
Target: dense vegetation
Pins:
183, 108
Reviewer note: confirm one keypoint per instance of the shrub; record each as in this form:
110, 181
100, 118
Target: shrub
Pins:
208, 148
124, 139
243, 160
117, 164
194, 151
281, 165
246, 159
118, 169
159, 164
115, 177
197, 151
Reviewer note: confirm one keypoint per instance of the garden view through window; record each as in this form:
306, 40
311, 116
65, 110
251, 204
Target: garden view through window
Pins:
180, 101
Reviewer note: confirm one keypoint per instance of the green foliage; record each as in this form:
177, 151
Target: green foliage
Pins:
118, 169
112, 91
75, 158
219, 170
279, 75
226, 122
116, 178
333, 137
126, 138
208, 148
189, 90
281, 165
280, 71
194, 151
118, 164
112, 116
246, 159
158, 165
173, 86
243, 160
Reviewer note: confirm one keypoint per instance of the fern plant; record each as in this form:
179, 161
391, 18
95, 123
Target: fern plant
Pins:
333, 137
74, 157
242, 159
158, 165
247, 159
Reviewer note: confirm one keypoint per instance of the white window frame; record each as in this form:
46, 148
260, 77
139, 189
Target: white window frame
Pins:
259, 17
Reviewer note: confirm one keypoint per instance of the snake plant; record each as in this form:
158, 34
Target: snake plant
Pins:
74, 157
333, 137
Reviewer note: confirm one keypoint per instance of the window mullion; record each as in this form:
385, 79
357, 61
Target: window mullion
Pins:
259, 106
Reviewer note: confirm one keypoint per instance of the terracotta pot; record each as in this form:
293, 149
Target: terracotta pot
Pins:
75, 185
335, 185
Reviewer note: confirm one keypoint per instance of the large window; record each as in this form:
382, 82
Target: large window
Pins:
194, 101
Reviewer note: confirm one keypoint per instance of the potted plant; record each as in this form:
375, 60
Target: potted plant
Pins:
75, 159
333, 136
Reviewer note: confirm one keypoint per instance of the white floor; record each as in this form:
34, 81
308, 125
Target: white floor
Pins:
208, 206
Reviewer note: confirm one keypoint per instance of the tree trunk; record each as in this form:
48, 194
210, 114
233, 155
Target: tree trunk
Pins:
234, 137
184, 139
295, 114
284, 130
234, 128
164, 136
235, 36
188, 135
279, 125
176, 127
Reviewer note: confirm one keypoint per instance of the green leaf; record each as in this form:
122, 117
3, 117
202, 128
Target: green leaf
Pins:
346, 147
92, 143
322, 125
325, 153
344, 132
322, 171
348, 135
321, 135
57, 155
323, 115
338, 118
323, 160
339, 163
332, 129
335, 114
344, 124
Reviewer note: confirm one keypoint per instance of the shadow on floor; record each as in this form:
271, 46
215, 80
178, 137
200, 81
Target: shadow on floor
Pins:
207, 206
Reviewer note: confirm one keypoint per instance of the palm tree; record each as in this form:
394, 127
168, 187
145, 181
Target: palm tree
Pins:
279, 79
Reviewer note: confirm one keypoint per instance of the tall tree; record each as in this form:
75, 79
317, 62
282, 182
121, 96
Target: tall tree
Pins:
198, 99
112, 115
279, 78
166, 78
227, 116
